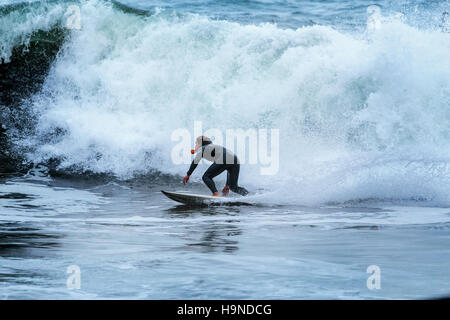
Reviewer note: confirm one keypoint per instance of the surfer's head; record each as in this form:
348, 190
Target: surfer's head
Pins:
202, 141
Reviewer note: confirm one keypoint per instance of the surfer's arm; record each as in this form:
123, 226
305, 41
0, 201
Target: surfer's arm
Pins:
195, 162
192, 168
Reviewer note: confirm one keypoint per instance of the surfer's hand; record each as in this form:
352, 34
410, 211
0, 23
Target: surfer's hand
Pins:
225, 191
185, 180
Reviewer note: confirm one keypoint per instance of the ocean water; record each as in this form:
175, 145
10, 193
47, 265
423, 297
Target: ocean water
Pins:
360, 94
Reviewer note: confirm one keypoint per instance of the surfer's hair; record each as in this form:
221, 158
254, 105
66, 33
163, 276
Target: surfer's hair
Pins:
203, 140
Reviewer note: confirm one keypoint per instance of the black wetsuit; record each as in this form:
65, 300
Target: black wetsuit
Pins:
222, 159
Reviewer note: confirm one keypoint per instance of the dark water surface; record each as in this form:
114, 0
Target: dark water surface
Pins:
129, 241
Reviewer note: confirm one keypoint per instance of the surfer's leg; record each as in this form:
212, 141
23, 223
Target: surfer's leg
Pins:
232, 180
214, 170
228, 178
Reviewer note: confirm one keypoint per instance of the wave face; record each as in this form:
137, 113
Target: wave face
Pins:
30, 38
361, 114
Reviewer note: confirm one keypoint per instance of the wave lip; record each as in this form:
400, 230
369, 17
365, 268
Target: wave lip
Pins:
30, 37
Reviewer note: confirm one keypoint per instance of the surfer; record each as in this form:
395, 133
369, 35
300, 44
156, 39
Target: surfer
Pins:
223, 159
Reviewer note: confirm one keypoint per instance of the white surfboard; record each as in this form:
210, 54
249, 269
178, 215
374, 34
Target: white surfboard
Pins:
199, 199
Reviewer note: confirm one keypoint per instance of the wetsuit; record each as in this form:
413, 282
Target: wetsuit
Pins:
222, 159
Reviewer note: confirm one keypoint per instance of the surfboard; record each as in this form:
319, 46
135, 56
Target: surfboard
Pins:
199, 199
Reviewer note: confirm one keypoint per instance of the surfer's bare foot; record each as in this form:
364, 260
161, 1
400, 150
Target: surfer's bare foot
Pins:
225, 191
215, 194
